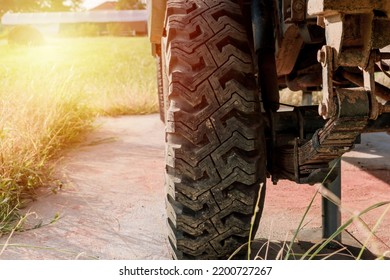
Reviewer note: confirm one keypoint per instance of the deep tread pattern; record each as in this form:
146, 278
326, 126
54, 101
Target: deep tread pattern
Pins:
215, 153
160, 89
192, 181
202, 100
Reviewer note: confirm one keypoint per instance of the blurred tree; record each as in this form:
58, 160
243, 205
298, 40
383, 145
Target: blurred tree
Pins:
19, 5
38, 5
75, 4
130, 5
53, 6
60, 5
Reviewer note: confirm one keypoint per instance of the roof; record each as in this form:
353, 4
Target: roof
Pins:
106, 6
74, 17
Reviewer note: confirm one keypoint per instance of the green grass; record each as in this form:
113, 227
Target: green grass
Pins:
50, 95
112, 75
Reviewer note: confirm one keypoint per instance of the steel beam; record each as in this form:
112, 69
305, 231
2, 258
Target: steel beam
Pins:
331, 216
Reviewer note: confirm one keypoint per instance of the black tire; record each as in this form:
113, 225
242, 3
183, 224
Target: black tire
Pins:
215, 150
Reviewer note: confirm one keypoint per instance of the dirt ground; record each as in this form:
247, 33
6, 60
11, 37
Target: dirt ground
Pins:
111, 201
365, 182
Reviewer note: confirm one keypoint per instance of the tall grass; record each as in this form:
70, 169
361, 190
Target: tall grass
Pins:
51, 94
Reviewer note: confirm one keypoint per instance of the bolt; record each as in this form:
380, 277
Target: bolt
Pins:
298, 6
321, 56
322, 110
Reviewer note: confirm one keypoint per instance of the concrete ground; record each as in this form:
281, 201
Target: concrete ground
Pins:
111, 201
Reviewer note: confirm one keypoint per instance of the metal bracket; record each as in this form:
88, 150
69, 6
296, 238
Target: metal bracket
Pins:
298, 11
327, 108
337, 136
293, 134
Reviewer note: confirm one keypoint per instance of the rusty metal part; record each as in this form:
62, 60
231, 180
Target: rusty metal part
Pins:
381, 66
288, 50
380, 33
384, 68
321, 21
305, 78
352, 31
329, 59
380, 90
380, 58
304, 121
327, 108
297, 11
328, 7
369, 85
338, 135
285, 126
384, 55
352, 28
361, 33
156, 20
384, 108
293, 130
350, 36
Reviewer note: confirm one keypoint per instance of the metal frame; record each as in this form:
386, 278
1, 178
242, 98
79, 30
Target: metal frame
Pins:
331, 215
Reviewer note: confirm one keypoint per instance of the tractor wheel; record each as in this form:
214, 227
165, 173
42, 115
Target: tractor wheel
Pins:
215, 146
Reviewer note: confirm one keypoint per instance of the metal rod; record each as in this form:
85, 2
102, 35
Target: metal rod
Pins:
385, 55
331, 216
380, 90
264, 44
287, 121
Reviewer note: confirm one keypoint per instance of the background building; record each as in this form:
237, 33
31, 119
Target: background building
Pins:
103, 19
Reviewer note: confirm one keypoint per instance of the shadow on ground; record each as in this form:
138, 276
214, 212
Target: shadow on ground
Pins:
372, 156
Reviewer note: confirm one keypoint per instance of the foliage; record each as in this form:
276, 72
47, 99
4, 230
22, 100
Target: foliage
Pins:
50, 95
18, 5
25, 35
38, 5
54, 5
130, 5
80, 30
114, 29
